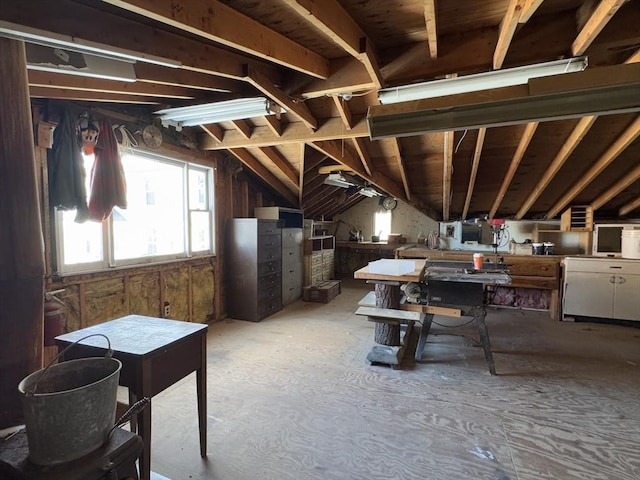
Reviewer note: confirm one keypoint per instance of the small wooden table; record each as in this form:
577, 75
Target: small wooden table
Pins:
155, 353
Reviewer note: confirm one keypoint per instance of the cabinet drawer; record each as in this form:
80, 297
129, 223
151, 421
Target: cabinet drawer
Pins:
269, 281
291, 294
269, 307
268, 228
290, 255
268, 241
601, 265
316, 259
269, 253
533, 268
265, 268
316, 277
291, 277
291, 237
266, 294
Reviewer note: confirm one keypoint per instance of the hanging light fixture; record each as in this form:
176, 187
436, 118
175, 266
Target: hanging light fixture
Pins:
226, 111
480, 81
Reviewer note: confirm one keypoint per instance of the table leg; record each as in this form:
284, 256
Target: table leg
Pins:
480, 315
424, 331
201, 381
144, 429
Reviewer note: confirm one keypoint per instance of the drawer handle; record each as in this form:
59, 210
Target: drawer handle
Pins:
621, 280
617, 267
612, 279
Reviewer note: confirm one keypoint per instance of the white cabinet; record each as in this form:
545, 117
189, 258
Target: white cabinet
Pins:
602, 287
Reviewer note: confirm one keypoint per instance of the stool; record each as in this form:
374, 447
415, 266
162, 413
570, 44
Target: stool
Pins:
118, 456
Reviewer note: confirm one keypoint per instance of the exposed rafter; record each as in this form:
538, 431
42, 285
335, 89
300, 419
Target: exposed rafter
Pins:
518, 11
574, 139
629, 207
243, 127
525, 140
266, 86
261, 171
343, 110
282, 163
216, 21
600, 16
363, 153
294, 133
430, 21
628, 179
622, 142
214, 130
477, 152
397, 153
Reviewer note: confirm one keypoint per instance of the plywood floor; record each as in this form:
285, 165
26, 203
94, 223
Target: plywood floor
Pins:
292, 397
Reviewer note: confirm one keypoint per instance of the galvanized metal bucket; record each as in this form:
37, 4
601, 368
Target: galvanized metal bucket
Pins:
69, 408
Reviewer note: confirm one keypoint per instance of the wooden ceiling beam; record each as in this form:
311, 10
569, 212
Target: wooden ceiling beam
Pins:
297, 132
343, 110
363, 153
370, 61
214, 131
628, 179
76, 82
303, 147
525, 140
629, 207
397, 154
281, 163
120, 32
621, 143
86, 96
507, 30
179, 77
274, 123
573, 140
243, 127
598, 19
447, 173
266, 85
430, 21
474, 171
261, 171
330, 18
219, 23
518, 12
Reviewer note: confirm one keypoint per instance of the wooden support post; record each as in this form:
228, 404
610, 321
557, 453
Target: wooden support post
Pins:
21, 238
387, 296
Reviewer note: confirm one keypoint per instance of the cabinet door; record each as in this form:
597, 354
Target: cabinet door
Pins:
589, 294
626, 304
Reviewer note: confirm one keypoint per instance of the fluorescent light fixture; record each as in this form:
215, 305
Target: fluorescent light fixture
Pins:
369, 192
481, 81
57, 60
218, 112
56, 40
337, 180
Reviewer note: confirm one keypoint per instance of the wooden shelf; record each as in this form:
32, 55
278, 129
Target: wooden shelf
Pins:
578, 218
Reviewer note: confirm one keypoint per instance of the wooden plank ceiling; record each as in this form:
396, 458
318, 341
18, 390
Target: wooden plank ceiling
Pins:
324, 62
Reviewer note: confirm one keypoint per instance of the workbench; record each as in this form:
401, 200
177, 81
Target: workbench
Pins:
454, 289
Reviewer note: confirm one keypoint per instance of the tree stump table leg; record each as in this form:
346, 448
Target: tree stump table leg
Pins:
391, 347
387, 296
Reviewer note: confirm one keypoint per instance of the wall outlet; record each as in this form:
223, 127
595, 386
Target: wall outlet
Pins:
167, 309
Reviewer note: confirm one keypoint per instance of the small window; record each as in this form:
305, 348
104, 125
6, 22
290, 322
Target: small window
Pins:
382, 224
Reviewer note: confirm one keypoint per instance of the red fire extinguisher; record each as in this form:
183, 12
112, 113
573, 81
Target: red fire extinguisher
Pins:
53, 311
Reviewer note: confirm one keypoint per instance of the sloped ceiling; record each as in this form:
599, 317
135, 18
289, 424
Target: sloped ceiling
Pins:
324, 62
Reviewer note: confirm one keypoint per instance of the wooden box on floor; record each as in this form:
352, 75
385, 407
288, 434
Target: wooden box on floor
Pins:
322, 292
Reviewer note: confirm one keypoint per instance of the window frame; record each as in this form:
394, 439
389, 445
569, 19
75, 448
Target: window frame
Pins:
109, 262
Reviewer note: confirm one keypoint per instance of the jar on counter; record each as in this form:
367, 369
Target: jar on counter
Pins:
538, 248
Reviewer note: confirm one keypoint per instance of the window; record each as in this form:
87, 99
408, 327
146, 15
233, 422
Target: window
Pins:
382, 224
169, 215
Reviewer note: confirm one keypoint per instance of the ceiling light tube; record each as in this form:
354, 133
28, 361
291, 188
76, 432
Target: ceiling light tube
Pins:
56, 40
481, 81
219, 111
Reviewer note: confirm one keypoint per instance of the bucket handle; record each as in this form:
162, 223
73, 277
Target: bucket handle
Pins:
108, 354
